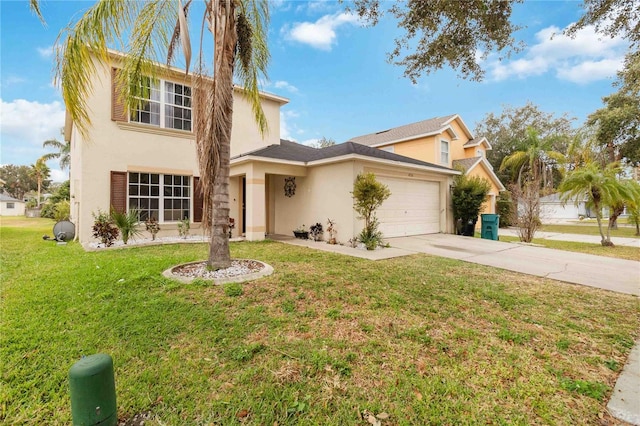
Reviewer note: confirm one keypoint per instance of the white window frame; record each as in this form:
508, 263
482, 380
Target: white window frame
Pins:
159, 95
444, 152
480, 152
162, 193
11, 205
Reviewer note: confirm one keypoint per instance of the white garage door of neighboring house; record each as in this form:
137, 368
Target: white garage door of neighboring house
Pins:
413, 208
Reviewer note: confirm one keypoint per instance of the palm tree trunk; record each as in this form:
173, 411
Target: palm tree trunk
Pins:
39, 191
225, 39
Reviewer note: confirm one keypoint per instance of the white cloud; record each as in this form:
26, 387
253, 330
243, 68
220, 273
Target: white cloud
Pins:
582, 59
589, 71
24, 125
14, 79
322, 33
58, 175
287, 127
285, 86
45, 52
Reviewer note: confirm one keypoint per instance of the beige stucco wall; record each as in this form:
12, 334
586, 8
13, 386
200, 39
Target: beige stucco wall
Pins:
112, 146
324, 193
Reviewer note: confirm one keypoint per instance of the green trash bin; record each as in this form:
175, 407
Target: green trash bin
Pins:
490, 225
93, 391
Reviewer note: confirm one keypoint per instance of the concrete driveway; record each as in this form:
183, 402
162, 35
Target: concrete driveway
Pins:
622, 276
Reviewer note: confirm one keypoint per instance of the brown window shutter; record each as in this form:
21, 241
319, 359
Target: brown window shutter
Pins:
197, 200
119, 191
118, 110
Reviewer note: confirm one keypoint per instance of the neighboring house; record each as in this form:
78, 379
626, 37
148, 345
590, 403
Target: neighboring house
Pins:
10, 206
445, 141
147, 160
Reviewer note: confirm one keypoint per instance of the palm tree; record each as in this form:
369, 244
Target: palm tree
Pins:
240, 49
537, 160
63, 152
40, 171
600, 187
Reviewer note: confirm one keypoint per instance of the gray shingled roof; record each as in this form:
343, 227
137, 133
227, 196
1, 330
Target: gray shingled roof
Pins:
472, 142
292, 151
465, 164
6, 197
421, 127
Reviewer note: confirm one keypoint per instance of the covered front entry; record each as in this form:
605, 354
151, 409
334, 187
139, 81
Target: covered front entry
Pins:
413, 208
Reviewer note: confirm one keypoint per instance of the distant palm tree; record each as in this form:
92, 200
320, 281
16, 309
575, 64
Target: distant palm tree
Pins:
600, 188
239, 29
40, 171
536, 161
64, 152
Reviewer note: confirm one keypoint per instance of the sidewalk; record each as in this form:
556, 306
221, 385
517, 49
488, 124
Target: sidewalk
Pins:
580, 238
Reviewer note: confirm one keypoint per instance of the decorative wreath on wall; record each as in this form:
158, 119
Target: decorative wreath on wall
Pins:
290, 186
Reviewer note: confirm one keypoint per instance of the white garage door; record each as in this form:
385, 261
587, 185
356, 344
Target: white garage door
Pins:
412, 209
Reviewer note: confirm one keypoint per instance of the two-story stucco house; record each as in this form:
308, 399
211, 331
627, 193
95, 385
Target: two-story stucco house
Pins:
146, 160
445, 141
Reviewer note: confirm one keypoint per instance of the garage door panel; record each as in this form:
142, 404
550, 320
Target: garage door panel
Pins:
413, 207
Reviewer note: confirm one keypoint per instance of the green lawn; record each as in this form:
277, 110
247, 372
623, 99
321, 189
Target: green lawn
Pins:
326, 337
620, 252
591, 228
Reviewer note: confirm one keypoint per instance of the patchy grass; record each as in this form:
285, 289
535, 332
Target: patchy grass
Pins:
423, 339
592, 229
620, 252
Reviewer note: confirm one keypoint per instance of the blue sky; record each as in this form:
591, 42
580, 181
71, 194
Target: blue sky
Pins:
334, 71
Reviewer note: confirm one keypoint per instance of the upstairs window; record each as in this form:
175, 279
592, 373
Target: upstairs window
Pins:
480, 152
167, 105
444, 152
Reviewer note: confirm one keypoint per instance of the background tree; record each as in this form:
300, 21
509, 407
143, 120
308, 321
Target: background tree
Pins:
599, 186
63, 152
18, 180
461, 34
40, 172
537, 160
239, 29
618, 122
507, 133
324, 142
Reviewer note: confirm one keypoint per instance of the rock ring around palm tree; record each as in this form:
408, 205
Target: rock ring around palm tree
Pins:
241, 270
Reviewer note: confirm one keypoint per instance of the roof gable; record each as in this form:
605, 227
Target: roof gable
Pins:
468, 164
429, 127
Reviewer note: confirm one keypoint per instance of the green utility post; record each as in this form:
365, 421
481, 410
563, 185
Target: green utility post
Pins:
93, 391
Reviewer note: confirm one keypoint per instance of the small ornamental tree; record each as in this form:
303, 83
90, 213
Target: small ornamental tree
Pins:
467, 197
368, 195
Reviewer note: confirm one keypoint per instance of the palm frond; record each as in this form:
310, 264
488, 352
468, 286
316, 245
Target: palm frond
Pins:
253, 54
103, 24
34, 5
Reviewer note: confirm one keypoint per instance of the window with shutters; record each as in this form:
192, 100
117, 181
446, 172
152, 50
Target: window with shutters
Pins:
167, 198
167, 105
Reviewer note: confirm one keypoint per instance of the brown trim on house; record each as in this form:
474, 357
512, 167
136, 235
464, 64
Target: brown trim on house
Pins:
119, 191
118, 110
197, 200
